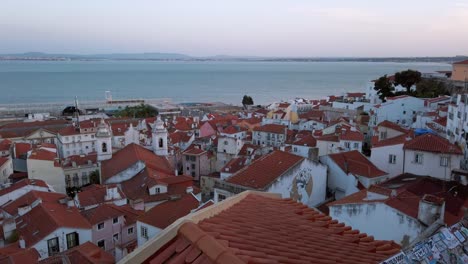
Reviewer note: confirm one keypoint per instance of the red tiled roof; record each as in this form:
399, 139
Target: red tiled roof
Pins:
101, 213
22, 129
409, 189
3, 160
128, 156
432, 143
79, 160
355, 94
272, 128
42, 154
162, 215
193, 150
28, 198
245, 147
441, 121
234, 165
96, 194
86, 253
261, 229
253, 120
354, 162
233, 130
401, 139
332, 138
12, 254
22, 149
461, 62
307, 140
391, 125
52, 216
23, 183
179, 136
351, 135
312, 115
5, 145
263, 171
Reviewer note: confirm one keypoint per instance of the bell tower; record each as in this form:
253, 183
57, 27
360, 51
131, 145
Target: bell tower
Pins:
159, 138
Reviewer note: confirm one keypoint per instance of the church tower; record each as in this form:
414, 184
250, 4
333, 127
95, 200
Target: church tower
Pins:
103, 141
159, 138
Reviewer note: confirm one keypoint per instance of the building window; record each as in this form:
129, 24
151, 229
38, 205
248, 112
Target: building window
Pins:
295, 149
104, 147
444, 161
116, 237
84, 180
157, 190
100, 226
68, 180
347, 145
115, 220
221, 197
76, 180
187, 158
193, 174
404, 112
144, 232
130, 230
356, 145
226, 142
193, 166
53, 246
101, 244
392, 159
72, 240
161, 142
418, 158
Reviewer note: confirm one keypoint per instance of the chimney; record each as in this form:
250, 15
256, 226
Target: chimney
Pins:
22, 210
431, 209
70, 203
21, 242
176, 172
189, 189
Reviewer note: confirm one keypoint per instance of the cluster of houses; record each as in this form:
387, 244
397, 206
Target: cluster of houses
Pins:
344, 172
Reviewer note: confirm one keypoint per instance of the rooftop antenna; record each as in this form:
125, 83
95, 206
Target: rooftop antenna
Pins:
77, 113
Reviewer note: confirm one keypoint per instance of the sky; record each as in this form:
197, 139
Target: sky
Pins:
293, 28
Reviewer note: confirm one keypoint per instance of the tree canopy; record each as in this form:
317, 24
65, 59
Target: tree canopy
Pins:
431, 88
247, 100
384, 87
407, 79
139, 111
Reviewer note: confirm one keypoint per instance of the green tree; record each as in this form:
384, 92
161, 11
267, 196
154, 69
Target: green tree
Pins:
247, 100
138, 111
407, 79
384, 87
430, 88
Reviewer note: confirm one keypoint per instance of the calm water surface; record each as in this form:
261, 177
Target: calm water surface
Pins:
28, 81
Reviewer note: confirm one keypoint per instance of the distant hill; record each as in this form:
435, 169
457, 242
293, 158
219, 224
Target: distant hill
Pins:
183, 57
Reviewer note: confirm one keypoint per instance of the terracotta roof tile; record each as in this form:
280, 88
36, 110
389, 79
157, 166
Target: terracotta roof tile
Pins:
260, 229
86, 253
461, 62
162, 215
22, 148
272, 128
263, 171
234, 165
432, 143
42, 154
23, 183
96, 194
354, 162
393, 141
128, 156
391, 125
307, 140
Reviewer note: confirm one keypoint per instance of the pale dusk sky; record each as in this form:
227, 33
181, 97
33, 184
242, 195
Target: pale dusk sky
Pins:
299, 28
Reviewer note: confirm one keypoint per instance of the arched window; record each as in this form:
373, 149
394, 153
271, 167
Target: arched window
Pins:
104, 147
160, 142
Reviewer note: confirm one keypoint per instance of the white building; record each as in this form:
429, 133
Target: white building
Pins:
159, 138
269, 135
6, 169
399, 109
228, 148
44, 165
402, 208
426, 154
77, 140
457, 124
348, 172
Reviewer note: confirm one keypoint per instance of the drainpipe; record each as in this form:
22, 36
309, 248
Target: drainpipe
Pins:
404, 159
